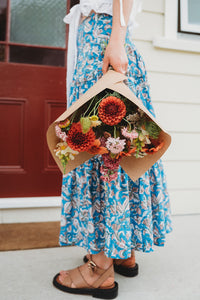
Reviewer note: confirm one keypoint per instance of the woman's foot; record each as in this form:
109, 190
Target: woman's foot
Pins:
126, 267
88, 272
129, 262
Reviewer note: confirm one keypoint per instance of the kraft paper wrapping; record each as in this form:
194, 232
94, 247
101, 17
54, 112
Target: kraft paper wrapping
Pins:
133, 166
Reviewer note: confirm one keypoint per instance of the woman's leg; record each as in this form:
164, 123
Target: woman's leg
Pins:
129, 262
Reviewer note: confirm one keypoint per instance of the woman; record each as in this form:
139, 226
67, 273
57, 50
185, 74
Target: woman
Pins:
131, 215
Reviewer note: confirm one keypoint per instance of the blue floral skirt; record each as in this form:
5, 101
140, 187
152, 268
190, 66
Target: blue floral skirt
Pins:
129, 215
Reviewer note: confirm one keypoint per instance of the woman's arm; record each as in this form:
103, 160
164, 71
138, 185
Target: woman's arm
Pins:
115, 54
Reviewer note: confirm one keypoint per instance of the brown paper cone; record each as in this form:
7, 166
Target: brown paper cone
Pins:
133, 166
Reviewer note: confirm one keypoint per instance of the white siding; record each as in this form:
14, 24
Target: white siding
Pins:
174, 78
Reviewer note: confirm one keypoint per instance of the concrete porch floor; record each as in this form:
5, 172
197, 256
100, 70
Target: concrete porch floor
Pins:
171, 272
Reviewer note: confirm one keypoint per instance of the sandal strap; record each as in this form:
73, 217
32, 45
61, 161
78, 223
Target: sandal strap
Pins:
104, 275
78, 279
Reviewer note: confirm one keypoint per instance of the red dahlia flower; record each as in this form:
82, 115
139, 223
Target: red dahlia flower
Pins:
111, 110
78, 140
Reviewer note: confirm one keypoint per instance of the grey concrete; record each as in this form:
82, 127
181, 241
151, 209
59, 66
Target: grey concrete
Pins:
170, 272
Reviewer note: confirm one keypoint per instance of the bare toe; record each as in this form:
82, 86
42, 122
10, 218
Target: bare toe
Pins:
63, 272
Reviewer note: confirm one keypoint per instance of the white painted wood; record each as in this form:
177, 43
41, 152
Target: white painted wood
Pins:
184, 147
183, 175
166, 87
171, 38
154, 6
177, 44
168, 61
25, 215
1, 219
28, 202
178, 117
185, 202
171, 13
151, 25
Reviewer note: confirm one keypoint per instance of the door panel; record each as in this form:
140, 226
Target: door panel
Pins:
30, 99
32, 95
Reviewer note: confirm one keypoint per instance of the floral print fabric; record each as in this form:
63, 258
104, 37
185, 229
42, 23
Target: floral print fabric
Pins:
128, 215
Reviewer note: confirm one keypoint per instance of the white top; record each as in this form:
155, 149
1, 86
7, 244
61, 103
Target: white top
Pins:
74, 18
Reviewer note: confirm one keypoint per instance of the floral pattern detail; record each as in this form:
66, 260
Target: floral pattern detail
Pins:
128, 215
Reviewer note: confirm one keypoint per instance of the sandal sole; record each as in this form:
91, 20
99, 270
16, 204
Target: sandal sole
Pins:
96, 293
125, 271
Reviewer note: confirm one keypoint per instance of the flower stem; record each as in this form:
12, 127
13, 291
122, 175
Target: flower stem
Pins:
89, 105
115, 134
128, 123
94, 108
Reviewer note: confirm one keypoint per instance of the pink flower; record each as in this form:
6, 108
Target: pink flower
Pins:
107, 176
62, 135
111, 163
103, 141
129, 134
115, 145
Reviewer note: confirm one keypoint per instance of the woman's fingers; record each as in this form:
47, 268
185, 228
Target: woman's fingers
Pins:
105, 64
121, 67
118, 67
115, 55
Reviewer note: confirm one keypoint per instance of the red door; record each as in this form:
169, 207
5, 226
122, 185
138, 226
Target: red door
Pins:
32, 94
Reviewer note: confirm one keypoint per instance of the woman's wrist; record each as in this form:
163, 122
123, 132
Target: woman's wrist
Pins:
118, 35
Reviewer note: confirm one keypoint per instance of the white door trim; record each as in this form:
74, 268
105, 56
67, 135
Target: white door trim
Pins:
30, 202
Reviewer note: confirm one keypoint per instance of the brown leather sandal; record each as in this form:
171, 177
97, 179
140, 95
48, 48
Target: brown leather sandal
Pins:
125, 270
128, 271
82, 287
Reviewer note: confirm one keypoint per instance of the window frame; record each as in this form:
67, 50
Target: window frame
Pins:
183, 23
7, 43
172, 39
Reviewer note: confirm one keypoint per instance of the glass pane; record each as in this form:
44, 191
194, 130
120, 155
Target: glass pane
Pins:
38, 22
194, 11
3, 9
2, 52
38, 56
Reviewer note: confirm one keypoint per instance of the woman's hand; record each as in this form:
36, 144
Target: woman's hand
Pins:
115, 55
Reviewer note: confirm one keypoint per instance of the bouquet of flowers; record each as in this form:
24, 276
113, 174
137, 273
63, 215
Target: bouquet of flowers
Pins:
108, 120
110, 125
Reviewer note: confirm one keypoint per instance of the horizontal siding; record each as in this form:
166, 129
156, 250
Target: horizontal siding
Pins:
181, 88
153, 5
185, 202
146, 32
184, 147
178, 117
183, 175
174, 78
168, 61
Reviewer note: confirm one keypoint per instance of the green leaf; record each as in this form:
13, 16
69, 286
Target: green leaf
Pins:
85, 124
153, 129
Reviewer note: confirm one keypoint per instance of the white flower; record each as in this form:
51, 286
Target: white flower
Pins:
115, 145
